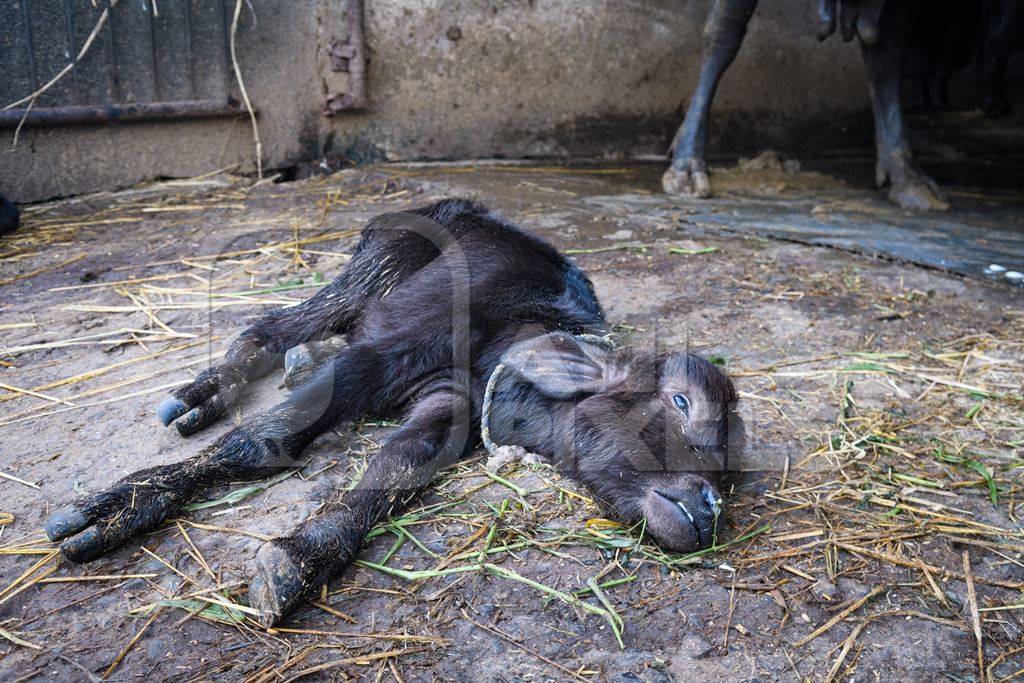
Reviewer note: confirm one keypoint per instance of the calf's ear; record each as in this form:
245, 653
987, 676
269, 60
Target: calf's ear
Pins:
562, 366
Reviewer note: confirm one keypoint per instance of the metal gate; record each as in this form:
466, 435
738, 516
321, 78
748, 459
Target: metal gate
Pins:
151, 60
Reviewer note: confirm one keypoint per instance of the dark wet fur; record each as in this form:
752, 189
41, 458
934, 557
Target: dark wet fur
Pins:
431, 301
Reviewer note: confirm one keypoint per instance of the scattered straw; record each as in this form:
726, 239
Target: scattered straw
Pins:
972, 602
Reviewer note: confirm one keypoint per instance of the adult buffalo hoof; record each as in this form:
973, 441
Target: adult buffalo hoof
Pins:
918, 192
279, 584
690, 181
909, 187
996, 107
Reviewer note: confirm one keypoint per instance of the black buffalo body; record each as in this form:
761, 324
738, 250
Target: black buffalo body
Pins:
948, 35
432, 301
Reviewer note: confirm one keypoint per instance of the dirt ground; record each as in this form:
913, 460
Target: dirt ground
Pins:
875, 533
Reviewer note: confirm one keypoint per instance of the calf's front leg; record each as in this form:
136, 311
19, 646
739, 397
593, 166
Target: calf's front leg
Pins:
724, 30
910, 187
277, 336
288, 568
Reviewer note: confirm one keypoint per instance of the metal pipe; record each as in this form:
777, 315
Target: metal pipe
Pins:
114, 113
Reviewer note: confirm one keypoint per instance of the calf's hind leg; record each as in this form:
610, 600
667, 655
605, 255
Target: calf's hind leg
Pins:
436, 434
262, 445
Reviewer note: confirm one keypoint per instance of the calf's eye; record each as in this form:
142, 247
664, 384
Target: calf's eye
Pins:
682, 403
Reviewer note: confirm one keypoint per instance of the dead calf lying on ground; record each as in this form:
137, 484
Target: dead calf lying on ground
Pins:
432, 301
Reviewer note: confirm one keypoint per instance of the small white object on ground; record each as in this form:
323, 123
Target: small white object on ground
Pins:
620, 235
996, 268
503, 455
1014, 275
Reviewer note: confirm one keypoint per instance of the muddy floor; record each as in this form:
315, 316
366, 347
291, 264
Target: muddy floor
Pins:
874, 533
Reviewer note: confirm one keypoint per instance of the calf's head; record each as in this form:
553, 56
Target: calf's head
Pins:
650, 434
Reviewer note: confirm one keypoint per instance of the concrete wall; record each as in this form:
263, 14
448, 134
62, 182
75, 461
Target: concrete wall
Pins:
471, 78
552, 77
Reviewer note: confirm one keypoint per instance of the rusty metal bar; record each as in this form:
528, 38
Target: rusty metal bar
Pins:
350, 56
149, 111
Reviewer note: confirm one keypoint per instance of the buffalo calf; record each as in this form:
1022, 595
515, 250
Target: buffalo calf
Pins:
431, 303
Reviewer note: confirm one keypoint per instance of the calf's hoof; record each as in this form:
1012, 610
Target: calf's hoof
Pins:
170, 410
64, 523
84, 543
686, 182
299, 362
279, 585
298, 359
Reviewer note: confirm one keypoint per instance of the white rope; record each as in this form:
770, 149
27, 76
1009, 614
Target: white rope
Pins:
485, 411
500, 454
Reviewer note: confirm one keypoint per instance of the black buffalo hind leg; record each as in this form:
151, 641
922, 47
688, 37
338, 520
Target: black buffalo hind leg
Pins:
724, 30
910, 187
435, 434
262, 445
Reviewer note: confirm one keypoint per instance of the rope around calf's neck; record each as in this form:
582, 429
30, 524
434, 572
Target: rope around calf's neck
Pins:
485, 410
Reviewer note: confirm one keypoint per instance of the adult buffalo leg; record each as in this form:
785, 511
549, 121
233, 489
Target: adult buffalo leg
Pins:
910, 187
724, 30
262, 445
287, 569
